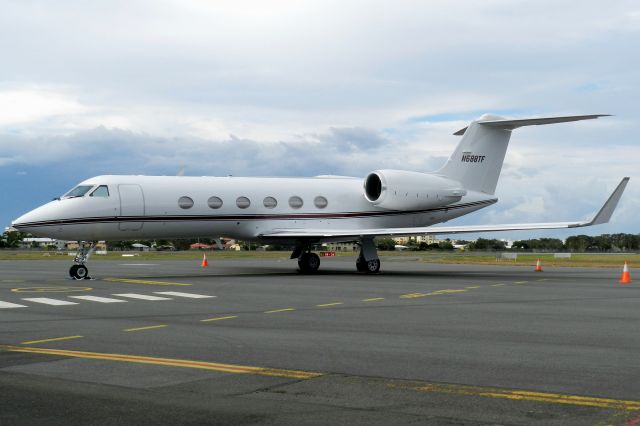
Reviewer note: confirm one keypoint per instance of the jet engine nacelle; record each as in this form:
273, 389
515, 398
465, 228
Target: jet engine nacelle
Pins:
403, 190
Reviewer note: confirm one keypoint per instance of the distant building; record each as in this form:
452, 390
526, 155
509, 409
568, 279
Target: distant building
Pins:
428, 239
73, 245
38, 242
341, 247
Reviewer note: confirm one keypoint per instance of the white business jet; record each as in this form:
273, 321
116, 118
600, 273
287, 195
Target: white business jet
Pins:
303, 212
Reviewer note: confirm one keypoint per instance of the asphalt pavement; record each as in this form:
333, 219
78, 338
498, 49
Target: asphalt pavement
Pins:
255, 342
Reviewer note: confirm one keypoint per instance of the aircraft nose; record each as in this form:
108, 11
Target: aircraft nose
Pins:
23, 222
29, 221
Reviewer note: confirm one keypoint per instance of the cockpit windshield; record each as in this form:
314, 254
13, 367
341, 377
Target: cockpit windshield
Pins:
78, 191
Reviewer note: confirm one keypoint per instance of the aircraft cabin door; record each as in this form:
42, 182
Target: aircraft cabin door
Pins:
131, 206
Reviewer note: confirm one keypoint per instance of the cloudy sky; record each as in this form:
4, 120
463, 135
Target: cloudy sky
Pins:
297, 88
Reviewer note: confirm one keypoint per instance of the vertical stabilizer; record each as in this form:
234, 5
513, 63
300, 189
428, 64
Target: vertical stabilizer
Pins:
477, 161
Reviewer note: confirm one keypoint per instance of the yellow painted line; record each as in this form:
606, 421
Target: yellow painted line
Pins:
212, 366
497, 285
433, 293
219, 318
329, 304
145, 328
55, 339
373, 299
279, 310
413, 295
50, 289
473, 286
520, 282
147, 282
521, 395
446, 291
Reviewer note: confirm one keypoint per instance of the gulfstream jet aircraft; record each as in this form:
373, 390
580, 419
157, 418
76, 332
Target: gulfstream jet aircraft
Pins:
303, 212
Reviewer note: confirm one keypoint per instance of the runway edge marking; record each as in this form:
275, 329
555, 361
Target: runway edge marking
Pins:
219, 318
522, 395
54, 339
148, 327
146, 282
171, 362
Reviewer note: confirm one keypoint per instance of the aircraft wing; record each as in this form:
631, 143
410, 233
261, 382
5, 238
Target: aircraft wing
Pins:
602, 216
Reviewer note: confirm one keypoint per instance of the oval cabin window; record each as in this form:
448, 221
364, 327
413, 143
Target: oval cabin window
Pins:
185, 203
320, 202
270, 202
214, 202
295, 202
243, 202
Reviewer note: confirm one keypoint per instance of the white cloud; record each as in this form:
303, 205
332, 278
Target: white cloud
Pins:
24, 106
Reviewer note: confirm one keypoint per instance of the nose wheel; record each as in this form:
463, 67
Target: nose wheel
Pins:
79, 272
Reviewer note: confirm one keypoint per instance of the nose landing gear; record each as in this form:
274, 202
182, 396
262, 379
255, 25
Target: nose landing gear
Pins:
79, 271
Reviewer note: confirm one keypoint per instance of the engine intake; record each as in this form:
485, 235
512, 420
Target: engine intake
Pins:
403, 190
373, 187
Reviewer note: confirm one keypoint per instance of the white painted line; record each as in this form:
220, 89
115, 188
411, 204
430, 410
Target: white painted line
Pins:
48, 301
180, 294
142, 296
98, 299
7, 305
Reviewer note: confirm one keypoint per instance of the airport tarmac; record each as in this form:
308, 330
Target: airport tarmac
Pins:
254, 342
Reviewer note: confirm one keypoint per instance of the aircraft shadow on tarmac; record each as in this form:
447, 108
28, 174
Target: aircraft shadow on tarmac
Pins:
266, 272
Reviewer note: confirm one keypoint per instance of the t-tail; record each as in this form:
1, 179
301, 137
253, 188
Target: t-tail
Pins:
477, 161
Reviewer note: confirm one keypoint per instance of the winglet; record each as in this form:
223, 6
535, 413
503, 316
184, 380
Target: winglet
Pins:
609, 206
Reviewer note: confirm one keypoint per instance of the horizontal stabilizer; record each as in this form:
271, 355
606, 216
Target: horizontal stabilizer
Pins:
514, 124
601, 217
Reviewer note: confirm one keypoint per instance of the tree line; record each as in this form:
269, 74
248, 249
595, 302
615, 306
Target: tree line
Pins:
577, 243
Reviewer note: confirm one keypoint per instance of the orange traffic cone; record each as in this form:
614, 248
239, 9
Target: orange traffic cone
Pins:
205, 262
538, 266
626, 277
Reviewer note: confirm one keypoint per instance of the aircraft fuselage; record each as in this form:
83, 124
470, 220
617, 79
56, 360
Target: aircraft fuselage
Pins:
162, 207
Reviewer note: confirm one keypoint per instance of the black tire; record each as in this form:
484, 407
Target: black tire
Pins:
370, 267
373, 266
81, 272
309, 263
72, 271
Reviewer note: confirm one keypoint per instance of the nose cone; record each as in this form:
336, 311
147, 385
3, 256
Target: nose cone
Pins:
35, 222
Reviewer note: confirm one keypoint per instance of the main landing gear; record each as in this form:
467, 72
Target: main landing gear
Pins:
367, 262
309, 263
370, 266
79, 271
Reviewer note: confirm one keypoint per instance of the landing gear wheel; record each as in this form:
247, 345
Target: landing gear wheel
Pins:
309, 263
371, 266
72, 271
79, 272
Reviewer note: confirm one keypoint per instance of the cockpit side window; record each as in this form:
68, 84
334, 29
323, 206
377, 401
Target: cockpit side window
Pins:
101, 191
78, 191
